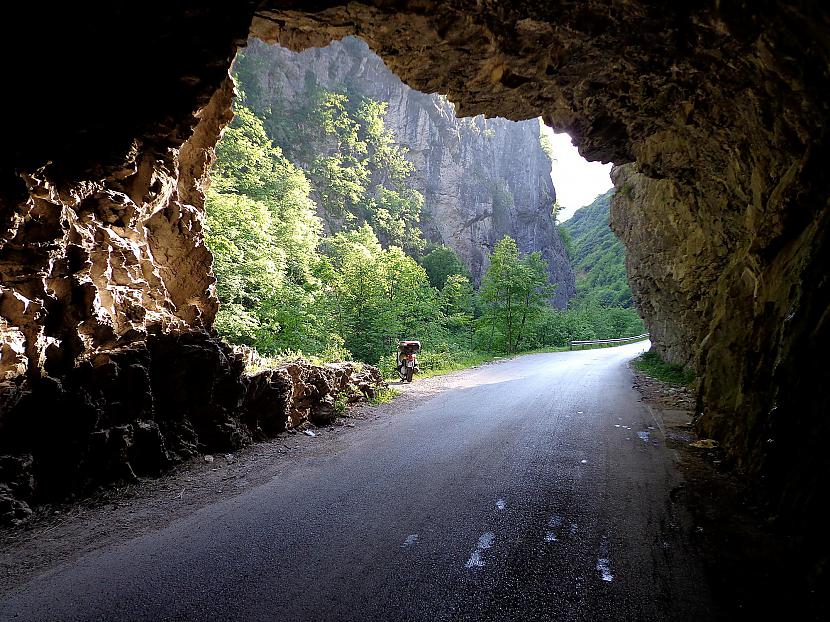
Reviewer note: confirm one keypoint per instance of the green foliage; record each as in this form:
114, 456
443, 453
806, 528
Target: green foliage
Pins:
598, 257
379, 295
395, 215
567, 240
544, 142
290, 292
441, 263
651, 364
517, 317
384, 395
556, 328
554, 211
340, 402
357, 171
514, 292
263, 231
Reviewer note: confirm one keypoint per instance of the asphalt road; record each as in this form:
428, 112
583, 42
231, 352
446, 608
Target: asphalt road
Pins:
537, 489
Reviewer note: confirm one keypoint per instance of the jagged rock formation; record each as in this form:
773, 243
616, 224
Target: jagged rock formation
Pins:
718, 111
292, 393
481, 178
138, 410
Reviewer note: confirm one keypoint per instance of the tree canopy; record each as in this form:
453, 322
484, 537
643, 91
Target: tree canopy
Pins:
441, 263
597, 255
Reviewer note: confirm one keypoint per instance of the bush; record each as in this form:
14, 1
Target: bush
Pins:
652, 365
386, 364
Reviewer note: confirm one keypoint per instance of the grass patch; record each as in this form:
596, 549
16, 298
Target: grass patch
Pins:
340, 402
445, 365
384, 395
655, 367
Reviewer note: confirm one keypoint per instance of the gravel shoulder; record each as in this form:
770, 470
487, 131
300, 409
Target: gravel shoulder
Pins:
751, 564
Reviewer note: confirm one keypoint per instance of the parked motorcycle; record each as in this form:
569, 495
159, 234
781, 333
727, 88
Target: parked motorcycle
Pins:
406, 359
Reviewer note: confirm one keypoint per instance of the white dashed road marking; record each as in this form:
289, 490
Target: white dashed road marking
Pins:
484, 543
554, 524
604, 569
604, 562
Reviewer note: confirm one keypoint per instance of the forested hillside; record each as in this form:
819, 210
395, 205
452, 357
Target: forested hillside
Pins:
597, 256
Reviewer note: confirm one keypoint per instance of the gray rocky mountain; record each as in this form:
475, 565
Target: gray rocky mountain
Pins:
481, 178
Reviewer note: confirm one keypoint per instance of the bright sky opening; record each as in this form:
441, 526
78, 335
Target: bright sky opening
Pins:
577, 181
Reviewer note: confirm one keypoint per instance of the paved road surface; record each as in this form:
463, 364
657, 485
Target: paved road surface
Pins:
540, 489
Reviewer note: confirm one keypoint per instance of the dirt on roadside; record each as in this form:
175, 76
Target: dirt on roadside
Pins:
753, 568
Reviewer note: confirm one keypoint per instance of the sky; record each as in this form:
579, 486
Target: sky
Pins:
577, 181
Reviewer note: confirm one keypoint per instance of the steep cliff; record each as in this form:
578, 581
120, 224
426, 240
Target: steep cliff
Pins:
481, 178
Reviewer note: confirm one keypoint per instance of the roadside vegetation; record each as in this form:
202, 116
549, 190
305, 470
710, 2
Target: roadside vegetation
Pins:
314, 229
652, 365
384, 395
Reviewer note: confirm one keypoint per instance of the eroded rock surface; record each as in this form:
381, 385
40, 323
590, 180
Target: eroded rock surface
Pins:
136, 411
296, 392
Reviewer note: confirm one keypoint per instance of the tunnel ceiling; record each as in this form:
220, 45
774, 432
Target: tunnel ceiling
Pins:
714, 112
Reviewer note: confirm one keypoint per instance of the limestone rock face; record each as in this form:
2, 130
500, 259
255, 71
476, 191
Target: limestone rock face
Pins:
481, 178
123, 413
291, 394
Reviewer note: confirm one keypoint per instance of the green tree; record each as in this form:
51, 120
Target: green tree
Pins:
358, 171
263, 230
395, 215
379, 294
246, 271
441, 263
514, 291
597, 256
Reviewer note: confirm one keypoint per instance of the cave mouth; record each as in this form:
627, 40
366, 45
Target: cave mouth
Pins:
332, 162
715, 116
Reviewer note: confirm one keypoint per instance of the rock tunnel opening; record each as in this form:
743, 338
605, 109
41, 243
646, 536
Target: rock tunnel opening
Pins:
342, 203
714, 115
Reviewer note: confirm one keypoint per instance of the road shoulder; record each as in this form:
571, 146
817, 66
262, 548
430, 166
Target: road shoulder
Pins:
751, 568
57, 534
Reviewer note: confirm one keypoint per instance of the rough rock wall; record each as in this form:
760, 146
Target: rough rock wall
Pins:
136, 411
481, 178
722, 106
108, 365
106, 370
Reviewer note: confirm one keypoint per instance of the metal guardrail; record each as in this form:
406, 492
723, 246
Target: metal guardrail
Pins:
597, 342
